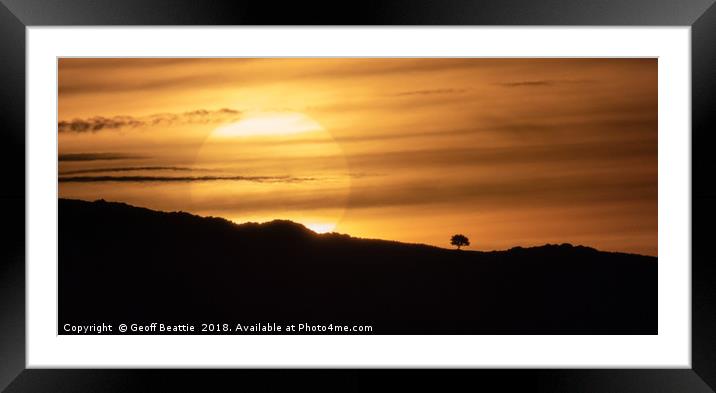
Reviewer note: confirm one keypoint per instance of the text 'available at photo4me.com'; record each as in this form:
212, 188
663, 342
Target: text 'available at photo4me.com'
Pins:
235, 328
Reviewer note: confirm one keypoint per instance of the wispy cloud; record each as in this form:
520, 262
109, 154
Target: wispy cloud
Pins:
143, 179
170, 74
97, 156
99, 123
543, 82
429, 92
564, 189
360, 175
127, 169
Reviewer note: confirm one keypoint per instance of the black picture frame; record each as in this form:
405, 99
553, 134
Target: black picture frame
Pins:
16, 15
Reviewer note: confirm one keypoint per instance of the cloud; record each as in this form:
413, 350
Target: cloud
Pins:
584, 154
360, 175
97, 156
143, 179
430, 92
558, 189
127, 169
542, 82
99, 123
529, 191
100, 75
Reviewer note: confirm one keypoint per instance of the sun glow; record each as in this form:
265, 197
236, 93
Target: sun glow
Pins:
269, 124
321, 227
276, 162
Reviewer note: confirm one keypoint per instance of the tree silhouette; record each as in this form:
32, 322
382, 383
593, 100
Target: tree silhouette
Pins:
459, 241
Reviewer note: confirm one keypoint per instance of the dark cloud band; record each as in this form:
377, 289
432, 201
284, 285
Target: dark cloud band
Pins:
99, 123
143, 179
127, 169
543, 82
430, 92
96, 156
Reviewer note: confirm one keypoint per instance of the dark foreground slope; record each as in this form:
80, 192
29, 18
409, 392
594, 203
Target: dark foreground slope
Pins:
119, 263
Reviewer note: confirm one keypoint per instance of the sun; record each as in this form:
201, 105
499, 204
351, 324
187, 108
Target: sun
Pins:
268, 124
321, 227
269, 166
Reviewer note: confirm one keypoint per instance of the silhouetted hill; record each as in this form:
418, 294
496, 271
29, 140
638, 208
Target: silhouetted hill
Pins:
123, 263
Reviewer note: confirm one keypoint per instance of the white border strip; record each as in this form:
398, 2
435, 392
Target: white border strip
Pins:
670, 348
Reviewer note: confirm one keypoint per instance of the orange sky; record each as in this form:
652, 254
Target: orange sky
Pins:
507, 151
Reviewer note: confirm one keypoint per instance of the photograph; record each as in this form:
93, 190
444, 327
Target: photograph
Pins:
357, 196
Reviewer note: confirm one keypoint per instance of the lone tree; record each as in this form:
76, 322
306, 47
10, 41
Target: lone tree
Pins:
459, 241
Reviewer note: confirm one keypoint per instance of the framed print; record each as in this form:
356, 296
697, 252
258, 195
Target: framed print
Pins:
519, 191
